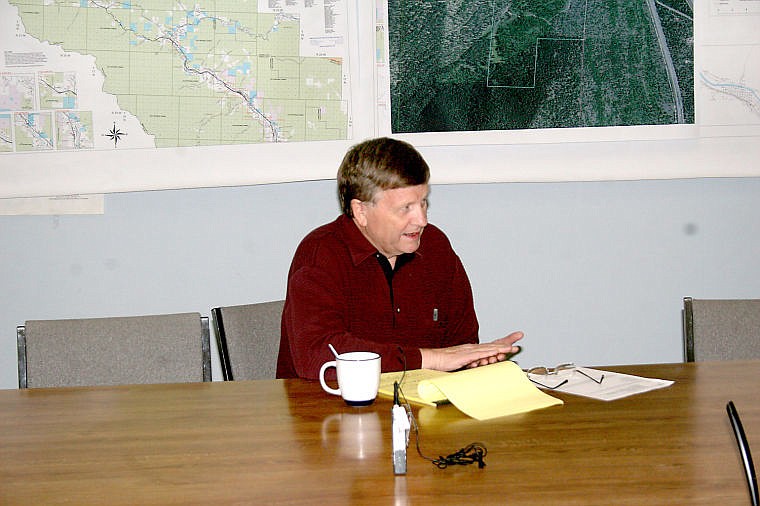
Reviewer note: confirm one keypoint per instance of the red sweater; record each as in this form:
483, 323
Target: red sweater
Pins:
338, 294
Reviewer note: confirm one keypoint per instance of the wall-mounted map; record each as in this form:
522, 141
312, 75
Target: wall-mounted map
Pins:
84, 74
132, 95
525, 64
728, 74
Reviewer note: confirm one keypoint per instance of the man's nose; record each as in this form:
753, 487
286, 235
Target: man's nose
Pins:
420, 216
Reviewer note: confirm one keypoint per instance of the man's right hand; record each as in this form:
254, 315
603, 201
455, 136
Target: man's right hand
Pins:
470, 355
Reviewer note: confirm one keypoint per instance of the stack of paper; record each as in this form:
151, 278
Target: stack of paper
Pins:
485, 392
586, 382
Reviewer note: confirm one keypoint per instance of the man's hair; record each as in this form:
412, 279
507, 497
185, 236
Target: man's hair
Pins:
376, 165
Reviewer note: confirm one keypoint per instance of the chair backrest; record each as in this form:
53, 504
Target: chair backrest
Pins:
171, 348
248, 338
721, 329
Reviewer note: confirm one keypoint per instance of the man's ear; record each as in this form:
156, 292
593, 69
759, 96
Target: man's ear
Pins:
359, 210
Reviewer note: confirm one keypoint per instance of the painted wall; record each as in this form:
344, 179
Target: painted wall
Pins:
593, 272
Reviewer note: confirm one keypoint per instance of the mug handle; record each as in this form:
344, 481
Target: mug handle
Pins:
325, 386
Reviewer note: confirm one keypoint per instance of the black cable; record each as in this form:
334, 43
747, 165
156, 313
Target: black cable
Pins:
474, 452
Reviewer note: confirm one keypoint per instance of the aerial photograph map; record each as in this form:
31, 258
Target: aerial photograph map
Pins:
473, 65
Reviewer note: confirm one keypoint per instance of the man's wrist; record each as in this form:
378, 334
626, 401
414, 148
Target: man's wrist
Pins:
424, 358
428, 359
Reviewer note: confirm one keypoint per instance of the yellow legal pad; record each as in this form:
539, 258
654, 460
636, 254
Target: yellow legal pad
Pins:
484, 392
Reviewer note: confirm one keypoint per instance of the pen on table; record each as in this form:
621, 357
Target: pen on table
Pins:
741, 441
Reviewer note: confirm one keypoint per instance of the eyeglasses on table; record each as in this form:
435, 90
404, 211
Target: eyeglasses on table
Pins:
556, 371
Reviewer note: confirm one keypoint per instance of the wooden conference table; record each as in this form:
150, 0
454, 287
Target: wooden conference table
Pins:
288, 442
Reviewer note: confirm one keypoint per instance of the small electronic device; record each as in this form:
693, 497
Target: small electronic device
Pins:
400, 433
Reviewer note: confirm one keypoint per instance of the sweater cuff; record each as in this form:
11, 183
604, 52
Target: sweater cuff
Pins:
413, 358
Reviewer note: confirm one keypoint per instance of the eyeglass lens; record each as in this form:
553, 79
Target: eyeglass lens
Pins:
543, 371
546, 371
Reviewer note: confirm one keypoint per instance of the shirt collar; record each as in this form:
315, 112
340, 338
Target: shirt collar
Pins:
358, 245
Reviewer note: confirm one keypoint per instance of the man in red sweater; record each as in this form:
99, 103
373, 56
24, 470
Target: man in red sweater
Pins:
381, 278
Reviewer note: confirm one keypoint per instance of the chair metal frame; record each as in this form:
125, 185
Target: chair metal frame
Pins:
688, 328
221, 343
21, 350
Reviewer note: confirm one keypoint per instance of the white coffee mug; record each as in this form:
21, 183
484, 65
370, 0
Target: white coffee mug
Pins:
358, 377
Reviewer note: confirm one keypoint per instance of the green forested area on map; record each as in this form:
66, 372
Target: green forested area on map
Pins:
501, 65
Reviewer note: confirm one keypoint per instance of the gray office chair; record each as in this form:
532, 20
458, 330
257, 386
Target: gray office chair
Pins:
170, 348
248, 338
721, 329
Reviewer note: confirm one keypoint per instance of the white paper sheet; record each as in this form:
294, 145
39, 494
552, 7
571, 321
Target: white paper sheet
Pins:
613, 386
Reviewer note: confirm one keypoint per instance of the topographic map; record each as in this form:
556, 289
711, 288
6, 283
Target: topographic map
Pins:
102, 74
729, 74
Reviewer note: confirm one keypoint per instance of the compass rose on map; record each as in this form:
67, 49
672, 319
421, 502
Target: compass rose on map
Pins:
115, 135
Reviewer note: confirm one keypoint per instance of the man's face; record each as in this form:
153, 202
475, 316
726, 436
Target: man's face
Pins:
393, 222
